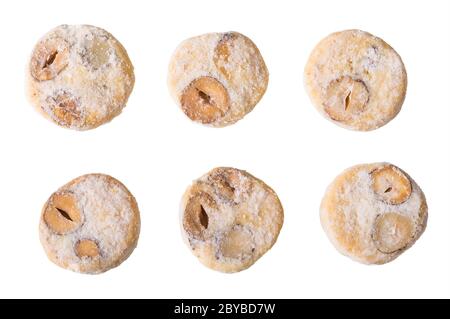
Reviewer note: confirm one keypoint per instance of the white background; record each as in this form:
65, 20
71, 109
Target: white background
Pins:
156, 151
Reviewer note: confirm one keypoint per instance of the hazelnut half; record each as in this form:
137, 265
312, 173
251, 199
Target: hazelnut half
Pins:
228, 184
61, 213
345, 98
96, 53
238, 243
195, 218
391, 185
49, 58
205, 100
392, 232
66, 108
222, 52
87, 248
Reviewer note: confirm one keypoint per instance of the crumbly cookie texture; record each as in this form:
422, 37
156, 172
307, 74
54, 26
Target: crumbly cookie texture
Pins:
217, 78
79, 76
90, 225
230, 219
356, 80
373, 212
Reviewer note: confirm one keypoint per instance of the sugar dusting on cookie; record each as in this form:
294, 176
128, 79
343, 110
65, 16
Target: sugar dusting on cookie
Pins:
252, 216
110, 220
98, 78
350, 209
241, 70
366, 59
107, 210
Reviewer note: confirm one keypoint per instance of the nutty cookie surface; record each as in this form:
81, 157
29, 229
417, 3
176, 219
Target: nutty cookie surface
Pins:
373, 212
217, 78
79, 76
90, 225
356, 80
230, 219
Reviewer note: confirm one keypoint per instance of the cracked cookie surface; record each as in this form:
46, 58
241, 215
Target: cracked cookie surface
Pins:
373, 212
217, 78
229, 219
356, 80
90, 225
79, 76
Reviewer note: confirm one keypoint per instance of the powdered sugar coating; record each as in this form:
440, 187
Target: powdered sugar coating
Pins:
99, 77
363, 57
254, 211
350, 208
110, 218
243, 73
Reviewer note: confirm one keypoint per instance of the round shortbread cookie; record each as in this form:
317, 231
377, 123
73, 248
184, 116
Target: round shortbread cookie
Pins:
356, 80
230, 219
79, 76
373, 212
90, 225
217, 78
